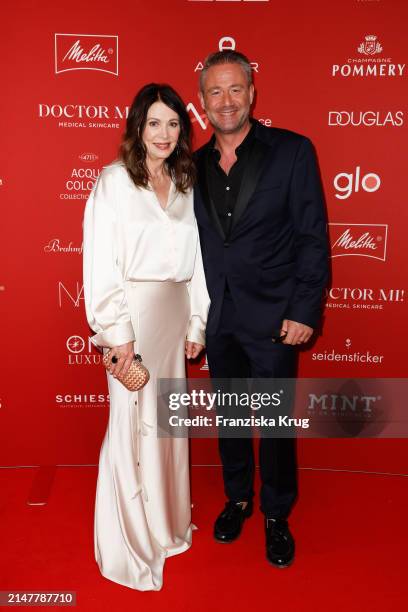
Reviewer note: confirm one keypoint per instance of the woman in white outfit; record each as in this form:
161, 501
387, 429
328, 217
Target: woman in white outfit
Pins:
145, 293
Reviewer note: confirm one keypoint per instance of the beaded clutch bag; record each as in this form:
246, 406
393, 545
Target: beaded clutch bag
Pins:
137, 375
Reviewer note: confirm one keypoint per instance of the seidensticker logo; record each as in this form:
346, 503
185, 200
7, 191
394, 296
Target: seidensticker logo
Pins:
86, 52
347, 183
370, 62
348, 355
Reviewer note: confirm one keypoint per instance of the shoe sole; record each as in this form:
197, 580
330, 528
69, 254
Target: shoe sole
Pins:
280, 566
225, 541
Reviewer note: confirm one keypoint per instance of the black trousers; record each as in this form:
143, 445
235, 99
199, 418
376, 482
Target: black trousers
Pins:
232, 353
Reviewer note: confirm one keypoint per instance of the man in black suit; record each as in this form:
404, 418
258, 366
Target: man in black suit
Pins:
262, 224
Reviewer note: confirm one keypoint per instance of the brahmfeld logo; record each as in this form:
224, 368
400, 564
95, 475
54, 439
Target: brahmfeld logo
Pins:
369, 62
55, 245
358, 239
86, 52
366, 118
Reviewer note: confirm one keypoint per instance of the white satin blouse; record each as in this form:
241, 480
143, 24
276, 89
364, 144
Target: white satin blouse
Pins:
128, 236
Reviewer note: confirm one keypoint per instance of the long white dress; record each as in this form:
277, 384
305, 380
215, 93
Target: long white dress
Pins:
143, 282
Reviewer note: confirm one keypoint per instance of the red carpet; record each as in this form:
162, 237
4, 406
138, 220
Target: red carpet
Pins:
350, 530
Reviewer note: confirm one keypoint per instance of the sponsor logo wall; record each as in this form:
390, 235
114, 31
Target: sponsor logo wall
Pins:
344, 87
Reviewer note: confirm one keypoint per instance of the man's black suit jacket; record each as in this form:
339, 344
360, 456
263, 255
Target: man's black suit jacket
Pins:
275, 257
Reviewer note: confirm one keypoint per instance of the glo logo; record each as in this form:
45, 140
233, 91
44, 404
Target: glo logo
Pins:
346, 184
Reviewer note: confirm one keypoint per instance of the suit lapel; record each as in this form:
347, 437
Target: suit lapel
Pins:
203, 181
253, 169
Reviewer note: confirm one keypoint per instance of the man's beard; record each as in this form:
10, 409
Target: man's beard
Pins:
230, 130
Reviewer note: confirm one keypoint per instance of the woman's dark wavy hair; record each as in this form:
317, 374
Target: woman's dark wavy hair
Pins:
132, 151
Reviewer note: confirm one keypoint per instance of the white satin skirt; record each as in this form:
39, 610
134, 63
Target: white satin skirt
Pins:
142, 505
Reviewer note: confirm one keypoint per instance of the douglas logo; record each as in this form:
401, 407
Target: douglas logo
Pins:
86, 52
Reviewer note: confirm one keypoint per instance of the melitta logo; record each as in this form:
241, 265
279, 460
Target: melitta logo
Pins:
366, 118
369, 182
367, 64
358, 239
86, 52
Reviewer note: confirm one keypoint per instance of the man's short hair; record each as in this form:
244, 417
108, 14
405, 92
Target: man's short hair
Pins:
226, 57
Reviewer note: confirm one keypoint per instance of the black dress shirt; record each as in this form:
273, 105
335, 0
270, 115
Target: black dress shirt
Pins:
224, 188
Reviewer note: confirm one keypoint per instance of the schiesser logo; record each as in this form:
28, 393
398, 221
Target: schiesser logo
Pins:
86, 52
358, 239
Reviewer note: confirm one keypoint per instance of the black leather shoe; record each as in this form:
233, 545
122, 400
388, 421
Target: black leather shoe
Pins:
229, 523
280, 545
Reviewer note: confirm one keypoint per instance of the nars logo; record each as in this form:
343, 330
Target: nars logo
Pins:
71, 295
86, 52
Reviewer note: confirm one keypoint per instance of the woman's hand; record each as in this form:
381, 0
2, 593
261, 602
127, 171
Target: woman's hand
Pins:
125, 354
193, 349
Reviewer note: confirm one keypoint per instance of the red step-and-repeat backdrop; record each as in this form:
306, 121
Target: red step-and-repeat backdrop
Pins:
335, 71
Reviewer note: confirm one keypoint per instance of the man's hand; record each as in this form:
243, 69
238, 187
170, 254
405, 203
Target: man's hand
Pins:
297, 333
124, 354
193, 349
